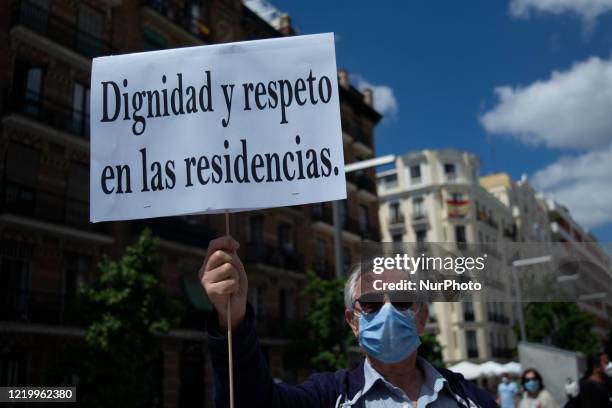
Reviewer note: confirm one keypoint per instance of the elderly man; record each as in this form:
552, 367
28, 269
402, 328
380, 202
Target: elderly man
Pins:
391, 375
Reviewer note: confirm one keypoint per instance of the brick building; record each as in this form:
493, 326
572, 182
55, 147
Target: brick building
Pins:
47, 245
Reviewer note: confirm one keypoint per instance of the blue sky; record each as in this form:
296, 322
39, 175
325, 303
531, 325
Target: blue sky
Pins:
524, 84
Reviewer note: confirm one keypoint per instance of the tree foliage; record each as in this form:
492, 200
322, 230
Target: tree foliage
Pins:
126, 309
562, 325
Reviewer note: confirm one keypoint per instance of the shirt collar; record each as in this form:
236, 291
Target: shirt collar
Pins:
434, 381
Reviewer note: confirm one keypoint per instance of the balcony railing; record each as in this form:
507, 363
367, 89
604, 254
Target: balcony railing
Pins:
322, 213
30, 306
363, 182
182, 17
274, 256
57, 208
52, 113
57, 29
321, 267
396, 219
177, 229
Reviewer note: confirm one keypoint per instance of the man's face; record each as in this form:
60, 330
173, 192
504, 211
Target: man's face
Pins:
352, 317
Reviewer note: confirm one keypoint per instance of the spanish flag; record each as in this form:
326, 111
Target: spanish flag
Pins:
457, 208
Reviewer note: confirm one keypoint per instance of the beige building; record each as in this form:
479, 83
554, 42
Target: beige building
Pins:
435, 196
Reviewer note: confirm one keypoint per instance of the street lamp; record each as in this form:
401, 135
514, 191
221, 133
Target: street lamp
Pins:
338, 247
518, 263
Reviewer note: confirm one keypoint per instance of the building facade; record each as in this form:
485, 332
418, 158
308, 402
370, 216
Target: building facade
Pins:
48, 248
435, 196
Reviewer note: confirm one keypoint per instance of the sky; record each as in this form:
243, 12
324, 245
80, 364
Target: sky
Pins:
524, 84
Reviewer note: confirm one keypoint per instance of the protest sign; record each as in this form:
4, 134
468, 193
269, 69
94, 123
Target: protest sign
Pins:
235, 126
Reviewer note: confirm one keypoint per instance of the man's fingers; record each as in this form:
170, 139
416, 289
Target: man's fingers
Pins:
224, 243
226, 287
219, 257
223, 272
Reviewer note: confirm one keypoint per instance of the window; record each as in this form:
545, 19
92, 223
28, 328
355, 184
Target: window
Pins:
417, 207
76, 274
460, 237
394, 209
317, 210
80, 110
255, 297
415, 173
390, 181
421, 236
457, 196
397, 237
468, 311
13, 291
472, 344
347, 258
90, 26
363, 218
256, 229
284, 237
450, 171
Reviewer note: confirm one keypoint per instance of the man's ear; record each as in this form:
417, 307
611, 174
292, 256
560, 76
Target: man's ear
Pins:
349, 316
421, 318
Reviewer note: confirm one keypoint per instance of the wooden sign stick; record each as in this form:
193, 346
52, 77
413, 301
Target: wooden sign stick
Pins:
229, 330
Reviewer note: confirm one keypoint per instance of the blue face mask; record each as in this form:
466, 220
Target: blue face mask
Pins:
388, 335
532, 385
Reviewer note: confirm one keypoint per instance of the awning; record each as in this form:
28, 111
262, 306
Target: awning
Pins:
195, 292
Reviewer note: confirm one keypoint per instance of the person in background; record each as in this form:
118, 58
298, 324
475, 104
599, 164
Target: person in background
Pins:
535, 395
507, 392
596, 387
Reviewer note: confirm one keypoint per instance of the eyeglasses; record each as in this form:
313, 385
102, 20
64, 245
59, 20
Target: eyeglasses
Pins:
373, 302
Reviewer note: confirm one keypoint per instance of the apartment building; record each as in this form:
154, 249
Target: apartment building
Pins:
595, 268
544, 220
48, 248
435, 196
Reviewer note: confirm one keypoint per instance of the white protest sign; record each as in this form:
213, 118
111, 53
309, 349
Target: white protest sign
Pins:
202, 129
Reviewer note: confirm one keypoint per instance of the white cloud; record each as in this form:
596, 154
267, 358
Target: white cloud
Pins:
571, 109
583, 184
266, 11
384, 97
588, 10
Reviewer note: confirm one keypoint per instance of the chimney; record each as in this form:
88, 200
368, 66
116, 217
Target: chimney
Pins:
368, 97
343, 78
285, 27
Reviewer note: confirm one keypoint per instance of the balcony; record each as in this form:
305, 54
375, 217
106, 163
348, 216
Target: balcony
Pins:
468, 316
57, 29
320, 212
51, 113
322, 268
181, 17
396, 220
46, 206
274, 256
178, 229
363, 182
30, 306
419, 218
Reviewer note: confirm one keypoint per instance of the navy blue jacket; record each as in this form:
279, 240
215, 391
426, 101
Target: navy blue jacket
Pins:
254, 387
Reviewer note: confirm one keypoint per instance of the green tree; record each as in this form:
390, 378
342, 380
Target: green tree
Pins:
431, 350
126, 309
562, 325
330, 335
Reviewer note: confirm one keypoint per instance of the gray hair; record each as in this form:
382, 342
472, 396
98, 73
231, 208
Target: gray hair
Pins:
351, 286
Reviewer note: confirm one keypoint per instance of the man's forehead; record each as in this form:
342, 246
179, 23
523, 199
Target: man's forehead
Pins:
367, 279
